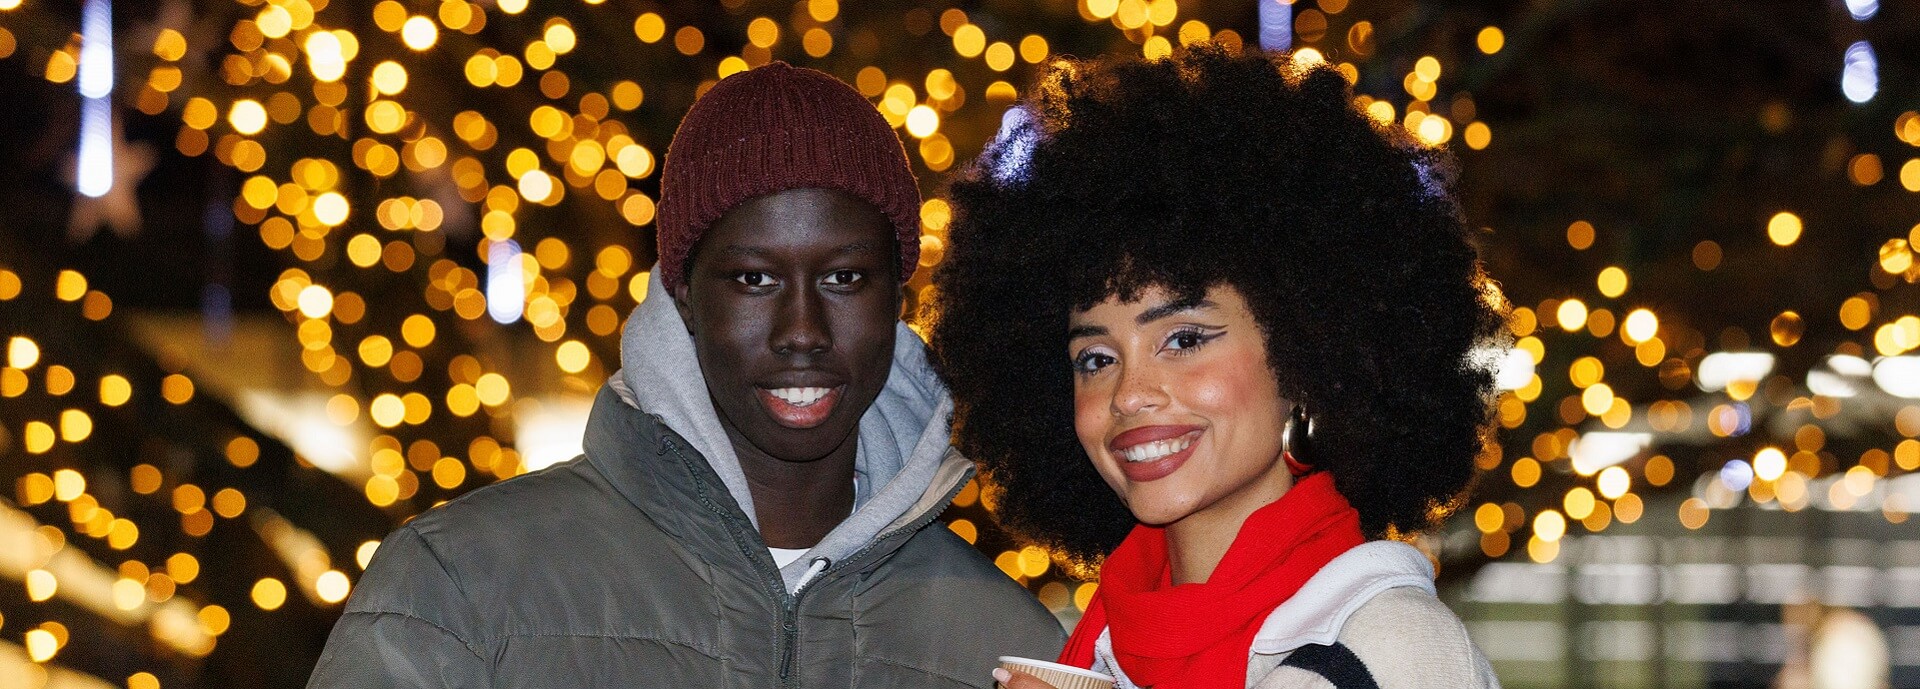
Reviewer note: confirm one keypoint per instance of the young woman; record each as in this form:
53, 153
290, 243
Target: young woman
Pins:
1211, 329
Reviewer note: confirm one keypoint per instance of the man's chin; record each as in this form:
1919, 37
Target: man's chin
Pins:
803, 445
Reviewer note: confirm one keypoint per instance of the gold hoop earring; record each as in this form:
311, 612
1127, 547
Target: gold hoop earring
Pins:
1296, 441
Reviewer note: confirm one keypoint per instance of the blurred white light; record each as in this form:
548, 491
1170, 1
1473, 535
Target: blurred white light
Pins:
1903, 492
1516, 370
326, 57
1276, 25
1769, 464
1848, 651
1720, 368
1863, 9
95, 175
1839, 375
1898, 375
1860, 79
1007, 155
300, 420
1737, 474
1736, 417
506, 294
1598, 450
95, 170
96, 49
548, 430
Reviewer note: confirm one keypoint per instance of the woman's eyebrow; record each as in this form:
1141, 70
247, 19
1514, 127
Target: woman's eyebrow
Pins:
1171, 308
1079, 331
1145, 317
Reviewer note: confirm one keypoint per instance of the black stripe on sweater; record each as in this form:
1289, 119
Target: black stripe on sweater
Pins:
1337, 663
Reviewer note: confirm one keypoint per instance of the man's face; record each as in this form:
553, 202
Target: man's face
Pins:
791, 299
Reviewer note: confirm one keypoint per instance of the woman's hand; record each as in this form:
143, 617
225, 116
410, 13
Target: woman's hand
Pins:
1014, 679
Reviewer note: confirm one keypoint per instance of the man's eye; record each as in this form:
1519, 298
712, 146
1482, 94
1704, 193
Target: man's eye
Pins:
753, 278
843, 277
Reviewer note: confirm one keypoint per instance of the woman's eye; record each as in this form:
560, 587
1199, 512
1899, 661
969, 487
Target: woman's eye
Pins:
843, 277
1091, 362
753, 278
1186, 339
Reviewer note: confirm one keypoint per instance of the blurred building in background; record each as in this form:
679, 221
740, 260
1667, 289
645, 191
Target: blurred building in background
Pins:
278, 275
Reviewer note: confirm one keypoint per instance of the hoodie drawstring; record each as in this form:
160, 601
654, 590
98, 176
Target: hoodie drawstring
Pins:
819, 565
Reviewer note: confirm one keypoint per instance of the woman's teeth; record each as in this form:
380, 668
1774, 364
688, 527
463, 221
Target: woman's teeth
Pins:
800, 397
1147, 452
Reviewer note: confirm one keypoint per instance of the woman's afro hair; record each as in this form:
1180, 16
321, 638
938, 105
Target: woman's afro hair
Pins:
1204, 169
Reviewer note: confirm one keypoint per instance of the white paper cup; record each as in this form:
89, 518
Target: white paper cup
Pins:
1060, 676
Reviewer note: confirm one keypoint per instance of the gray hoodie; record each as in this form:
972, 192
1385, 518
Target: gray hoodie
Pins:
638, 564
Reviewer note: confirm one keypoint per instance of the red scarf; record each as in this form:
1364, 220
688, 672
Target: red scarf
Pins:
1198, 635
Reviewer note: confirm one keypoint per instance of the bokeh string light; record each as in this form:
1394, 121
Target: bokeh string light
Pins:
488, 173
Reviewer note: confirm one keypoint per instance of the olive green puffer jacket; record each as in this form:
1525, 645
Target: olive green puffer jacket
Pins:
632, 566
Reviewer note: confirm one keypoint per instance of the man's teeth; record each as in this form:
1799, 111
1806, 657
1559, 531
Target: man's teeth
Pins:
800, 397
1147, 452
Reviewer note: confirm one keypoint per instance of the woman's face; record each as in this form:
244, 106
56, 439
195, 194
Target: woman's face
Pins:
1176, 406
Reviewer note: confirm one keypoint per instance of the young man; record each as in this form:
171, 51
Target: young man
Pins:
758, 499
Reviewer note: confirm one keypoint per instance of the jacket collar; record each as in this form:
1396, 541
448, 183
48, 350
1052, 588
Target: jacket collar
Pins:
664, 476
643, 460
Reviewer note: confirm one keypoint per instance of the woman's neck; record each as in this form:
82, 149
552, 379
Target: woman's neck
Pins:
1197, 542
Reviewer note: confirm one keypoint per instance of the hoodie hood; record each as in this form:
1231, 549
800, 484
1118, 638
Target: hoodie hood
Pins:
903, 436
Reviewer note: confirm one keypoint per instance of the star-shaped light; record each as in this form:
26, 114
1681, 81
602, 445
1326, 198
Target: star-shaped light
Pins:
119, 208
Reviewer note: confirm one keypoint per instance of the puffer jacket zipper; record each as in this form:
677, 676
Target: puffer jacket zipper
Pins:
790, 617
789, 627
790, 602
789, 638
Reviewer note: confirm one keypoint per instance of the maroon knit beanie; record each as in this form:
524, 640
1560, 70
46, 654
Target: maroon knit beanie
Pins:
774, 128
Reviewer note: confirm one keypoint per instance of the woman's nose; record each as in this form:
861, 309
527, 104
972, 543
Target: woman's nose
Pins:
1137, 390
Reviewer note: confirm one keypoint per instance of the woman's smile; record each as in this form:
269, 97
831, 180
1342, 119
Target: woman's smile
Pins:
1153, 452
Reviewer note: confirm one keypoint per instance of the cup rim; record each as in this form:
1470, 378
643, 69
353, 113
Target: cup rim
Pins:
1057, 667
